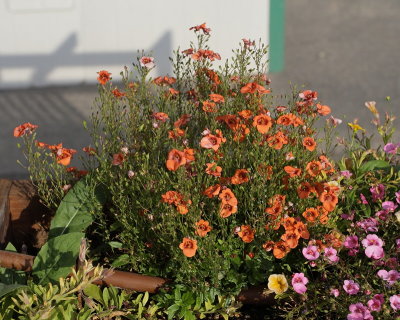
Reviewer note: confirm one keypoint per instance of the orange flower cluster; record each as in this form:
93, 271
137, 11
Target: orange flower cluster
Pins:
177, 199
24, 129
160, 81
63, 155
104, 77
205, 54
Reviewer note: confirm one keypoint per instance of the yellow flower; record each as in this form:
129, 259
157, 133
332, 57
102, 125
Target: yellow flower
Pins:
277, 283
356, 127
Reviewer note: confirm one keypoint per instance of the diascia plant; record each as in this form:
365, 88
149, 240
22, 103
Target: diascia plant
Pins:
213, 181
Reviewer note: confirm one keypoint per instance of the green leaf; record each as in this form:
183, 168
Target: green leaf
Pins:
121, 261
374, 165
74, 212
94, 292
115, 244
7, 288
56, 257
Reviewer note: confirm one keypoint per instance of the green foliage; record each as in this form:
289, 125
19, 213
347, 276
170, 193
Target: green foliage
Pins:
73, 216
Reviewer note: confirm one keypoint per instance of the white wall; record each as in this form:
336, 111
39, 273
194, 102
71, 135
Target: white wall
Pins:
50, 42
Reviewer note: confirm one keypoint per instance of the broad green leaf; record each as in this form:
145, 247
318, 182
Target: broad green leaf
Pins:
373, 165
7, 288
94, 292
115, 244
74, 212
56, 257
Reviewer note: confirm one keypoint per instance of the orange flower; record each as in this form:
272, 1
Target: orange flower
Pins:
211, 141
118, 94
245, 114
172, 197
118, 159
323, 215
263, 123
227, 209
201, 27
189, 247
292, 171
327, 167
213, 76
291, 239
253, 87
206, 54
275, 209
241, 132
311, 214
304, 190
227, 196
280, 249
176, 133
64, 156
212, 191
173, 92
314, 168
209, 106
301, 229
189, 155
184, 119
285, 119
323, 110
277, 140
329, 200
231, 121
246, 233
23, 129
240, 176
89, 150
160, 116
202, 228
265, 171
213, 169
104, 77
268, 246
175, 159
182, 208
309, 143
164, 81
217, 98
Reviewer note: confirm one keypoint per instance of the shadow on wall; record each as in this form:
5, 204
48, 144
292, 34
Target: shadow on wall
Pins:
41, 66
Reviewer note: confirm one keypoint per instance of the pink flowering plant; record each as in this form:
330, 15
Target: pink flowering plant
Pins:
359, 277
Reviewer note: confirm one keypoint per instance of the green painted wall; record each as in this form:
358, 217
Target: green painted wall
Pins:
277, 35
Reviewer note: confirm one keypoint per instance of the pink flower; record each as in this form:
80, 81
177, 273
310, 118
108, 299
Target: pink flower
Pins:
351, 242
333, 121
311, 253
359, 312
147, 62
378, 192
346, 173
391, 148
363, 199
382, 214
373, 246
395, 302
331, 254
391, 277
368, 225
375, 304
397, 196
389, 206
351, 287
335, 292
299, 282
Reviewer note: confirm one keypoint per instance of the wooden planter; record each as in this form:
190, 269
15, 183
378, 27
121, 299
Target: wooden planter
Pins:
22, 217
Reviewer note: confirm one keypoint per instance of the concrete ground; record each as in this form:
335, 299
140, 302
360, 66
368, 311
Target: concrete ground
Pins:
348, 51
